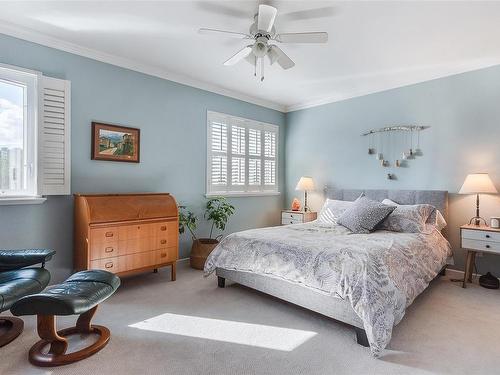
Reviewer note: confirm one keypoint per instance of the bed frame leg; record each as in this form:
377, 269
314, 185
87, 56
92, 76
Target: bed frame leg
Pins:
221, 282
361, 337
443, 271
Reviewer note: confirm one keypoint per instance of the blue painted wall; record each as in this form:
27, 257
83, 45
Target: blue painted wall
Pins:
172, 119
464, 114
323, 142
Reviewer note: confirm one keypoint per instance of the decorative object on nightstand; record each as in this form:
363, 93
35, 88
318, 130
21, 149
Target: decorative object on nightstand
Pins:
477, 239
295, 204
305, 184
495, 222
297, 217
478, 183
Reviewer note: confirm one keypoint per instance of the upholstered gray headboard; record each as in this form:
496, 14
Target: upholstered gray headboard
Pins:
438, 198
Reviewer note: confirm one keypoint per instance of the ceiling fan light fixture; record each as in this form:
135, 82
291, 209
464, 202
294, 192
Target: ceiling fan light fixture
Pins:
259, 48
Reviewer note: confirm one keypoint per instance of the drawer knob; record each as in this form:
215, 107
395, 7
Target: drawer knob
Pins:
487, 236
109, 265
108, 250
487, 246
163, 242
163, 228
109, 234
163, 255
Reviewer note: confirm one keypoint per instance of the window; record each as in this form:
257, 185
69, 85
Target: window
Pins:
34, 135
241, 156
18, 112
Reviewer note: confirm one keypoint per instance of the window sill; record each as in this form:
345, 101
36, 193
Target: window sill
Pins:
10, 201
240, 194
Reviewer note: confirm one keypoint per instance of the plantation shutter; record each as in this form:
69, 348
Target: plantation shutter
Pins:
241, 155
54, 138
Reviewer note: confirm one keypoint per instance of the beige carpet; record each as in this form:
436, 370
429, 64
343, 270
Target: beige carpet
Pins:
448, 330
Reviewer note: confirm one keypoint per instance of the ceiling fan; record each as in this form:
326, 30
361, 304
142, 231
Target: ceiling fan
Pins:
263, 32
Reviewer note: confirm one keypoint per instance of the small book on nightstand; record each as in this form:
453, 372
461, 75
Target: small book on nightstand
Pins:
297, 217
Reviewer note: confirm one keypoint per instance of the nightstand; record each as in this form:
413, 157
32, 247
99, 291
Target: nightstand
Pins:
297, 217
477, 239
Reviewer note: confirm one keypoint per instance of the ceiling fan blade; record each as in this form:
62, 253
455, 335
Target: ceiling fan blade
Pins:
231, 34
308, 14
277, 55
240, 55
267, 15
221, 8
318, 37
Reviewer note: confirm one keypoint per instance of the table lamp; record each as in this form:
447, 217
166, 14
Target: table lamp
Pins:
478, 183
305, 183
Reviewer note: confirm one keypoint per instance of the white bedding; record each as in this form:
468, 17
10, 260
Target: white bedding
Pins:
380, 273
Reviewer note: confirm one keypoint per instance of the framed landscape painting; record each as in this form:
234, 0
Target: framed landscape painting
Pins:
115, 143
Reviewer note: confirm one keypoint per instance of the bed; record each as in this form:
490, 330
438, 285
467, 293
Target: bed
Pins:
364, 280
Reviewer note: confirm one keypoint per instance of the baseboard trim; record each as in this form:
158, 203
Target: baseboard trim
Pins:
458, 274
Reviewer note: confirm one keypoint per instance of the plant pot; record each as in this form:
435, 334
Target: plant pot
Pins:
200, 251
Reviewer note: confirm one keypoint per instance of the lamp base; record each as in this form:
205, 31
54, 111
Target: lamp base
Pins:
476, 220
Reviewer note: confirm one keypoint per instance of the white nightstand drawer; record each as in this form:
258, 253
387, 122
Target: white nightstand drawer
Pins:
292, 216
481, 235
290, 221
487, 246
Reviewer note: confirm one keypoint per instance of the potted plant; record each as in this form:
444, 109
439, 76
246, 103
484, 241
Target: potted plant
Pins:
218, 211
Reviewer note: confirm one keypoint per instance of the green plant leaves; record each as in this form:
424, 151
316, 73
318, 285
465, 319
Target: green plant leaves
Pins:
217, 210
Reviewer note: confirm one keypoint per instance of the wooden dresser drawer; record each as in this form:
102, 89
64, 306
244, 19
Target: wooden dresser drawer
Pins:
103, 235
136, 245
110, 264
130, 232
166, 255
488, 246
104, 250
481, 235
140, 260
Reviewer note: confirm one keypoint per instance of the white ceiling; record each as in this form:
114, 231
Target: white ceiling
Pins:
373, 46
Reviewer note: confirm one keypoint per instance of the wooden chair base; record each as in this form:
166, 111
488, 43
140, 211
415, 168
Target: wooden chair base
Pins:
14, 327
56, 355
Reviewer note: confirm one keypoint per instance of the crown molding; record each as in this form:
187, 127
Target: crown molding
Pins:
59, 44
451, 70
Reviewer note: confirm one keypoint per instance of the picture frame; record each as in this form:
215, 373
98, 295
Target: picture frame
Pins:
115, 143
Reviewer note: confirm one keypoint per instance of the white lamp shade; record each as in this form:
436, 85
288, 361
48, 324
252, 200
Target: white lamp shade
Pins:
305, 184
476, 183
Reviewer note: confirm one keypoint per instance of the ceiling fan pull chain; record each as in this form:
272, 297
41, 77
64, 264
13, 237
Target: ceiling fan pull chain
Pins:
262, 69
255, 67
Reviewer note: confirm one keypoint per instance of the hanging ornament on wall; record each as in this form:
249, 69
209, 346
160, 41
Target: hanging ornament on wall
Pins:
371, 148
392, 138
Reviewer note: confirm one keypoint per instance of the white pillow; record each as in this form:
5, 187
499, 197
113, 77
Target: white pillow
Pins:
440, 221
332, 209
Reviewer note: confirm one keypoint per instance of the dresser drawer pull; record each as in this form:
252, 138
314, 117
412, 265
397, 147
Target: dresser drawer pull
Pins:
163, 242
487, 246
109, 265
163, 228
109, 250
487, 236
163, 255
109, 234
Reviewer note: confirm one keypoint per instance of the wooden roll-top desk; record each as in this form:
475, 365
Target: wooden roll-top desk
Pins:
126, 233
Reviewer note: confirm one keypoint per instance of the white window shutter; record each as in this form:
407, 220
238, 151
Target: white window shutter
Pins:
54, 137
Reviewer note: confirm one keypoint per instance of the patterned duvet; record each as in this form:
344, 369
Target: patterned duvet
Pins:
380, 273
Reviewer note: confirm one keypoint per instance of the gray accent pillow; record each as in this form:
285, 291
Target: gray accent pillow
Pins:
364, 215
409, 218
